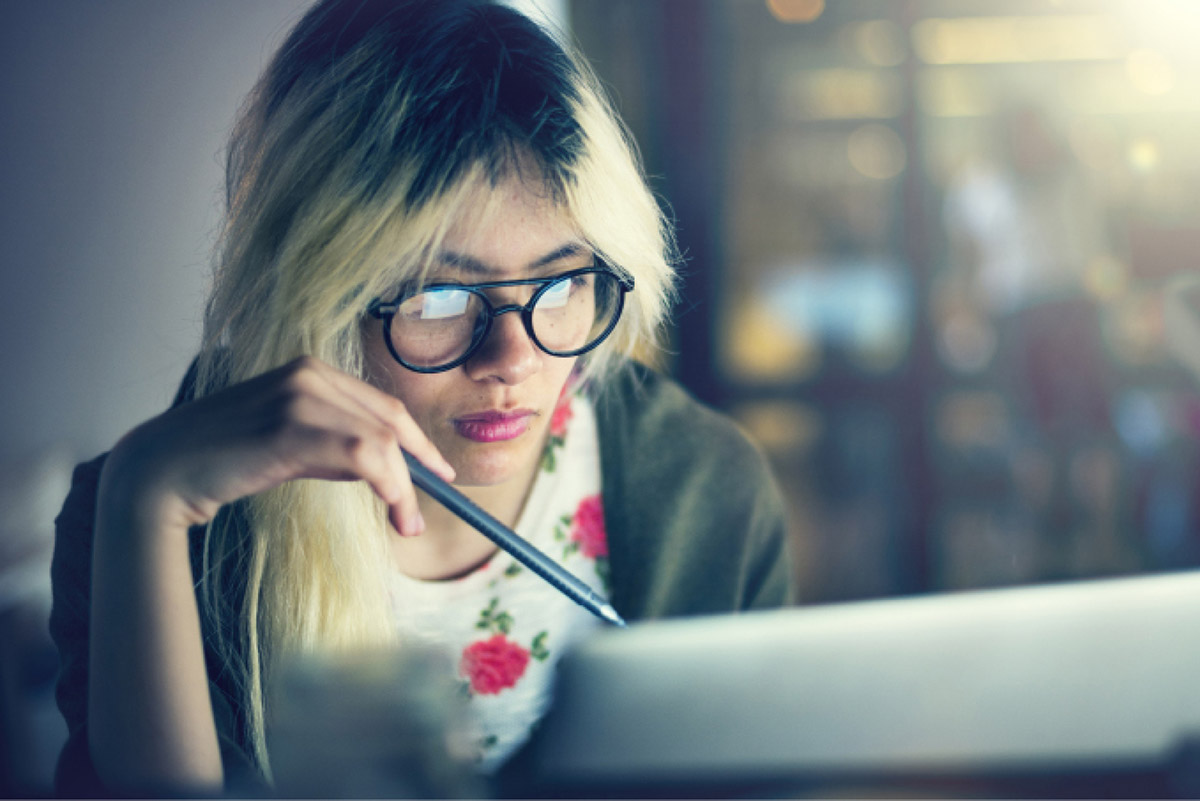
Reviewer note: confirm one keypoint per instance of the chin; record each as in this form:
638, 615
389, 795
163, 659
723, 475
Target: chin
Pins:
487, 465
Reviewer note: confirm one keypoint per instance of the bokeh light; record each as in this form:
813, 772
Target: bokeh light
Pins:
1144, 154
1149, 72
880, 42
796, 10
876, 151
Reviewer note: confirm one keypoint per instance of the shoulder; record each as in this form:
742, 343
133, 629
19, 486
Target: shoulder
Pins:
695, 520
652, 422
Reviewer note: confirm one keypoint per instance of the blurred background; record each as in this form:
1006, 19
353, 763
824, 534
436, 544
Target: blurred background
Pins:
930, 247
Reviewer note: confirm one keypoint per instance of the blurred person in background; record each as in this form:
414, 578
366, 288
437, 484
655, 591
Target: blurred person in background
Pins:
1025, 231
438, 238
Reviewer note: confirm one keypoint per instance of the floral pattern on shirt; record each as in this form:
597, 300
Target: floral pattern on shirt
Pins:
587, 528
498, 662
494, 664
583, 533
560, 420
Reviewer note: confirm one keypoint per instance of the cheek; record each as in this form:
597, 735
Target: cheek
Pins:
382, 370
384, 373
428, 398
562, 374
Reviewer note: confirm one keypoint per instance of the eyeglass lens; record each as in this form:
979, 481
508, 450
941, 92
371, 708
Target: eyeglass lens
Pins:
439, 325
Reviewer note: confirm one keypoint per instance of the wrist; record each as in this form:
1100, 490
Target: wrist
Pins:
137, 491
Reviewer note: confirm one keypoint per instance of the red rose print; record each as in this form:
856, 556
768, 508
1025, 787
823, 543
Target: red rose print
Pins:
587, 528
562, 416
493, 665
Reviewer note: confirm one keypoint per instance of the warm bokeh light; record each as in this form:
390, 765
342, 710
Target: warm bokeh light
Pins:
780, 426
842, 94
1149, 72
876, 151
952, 92
998, 40
879, 41
765, 348
796, 10
1144, 155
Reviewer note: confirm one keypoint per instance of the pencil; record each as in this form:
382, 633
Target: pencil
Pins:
555, 574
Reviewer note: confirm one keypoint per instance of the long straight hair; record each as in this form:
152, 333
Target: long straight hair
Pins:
376, 125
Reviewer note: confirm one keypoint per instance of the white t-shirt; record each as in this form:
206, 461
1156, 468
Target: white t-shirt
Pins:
504, 626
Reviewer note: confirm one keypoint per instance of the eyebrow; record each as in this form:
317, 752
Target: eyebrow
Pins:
470, 264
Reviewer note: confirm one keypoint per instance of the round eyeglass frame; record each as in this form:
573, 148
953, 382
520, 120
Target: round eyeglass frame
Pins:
386, 311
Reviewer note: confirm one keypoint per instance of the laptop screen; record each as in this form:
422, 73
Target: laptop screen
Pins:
1031, 690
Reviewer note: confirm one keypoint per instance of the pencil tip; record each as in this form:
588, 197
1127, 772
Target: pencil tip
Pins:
610, 614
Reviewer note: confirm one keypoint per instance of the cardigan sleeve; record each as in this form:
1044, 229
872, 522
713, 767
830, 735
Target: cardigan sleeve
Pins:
695, 520
70, 624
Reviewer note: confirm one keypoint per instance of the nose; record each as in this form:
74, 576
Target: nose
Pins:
508, 354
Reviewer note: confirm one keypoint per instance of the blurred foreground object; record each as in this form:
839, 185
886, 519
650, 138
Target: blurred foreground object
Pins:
373, 725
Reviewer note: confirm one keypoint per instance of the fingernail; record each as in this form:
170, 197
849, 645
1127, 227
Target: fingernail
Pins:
415, 525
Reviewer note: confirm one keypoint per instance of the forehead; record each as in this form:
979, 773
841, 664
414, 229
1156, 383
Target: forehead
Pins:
510, 228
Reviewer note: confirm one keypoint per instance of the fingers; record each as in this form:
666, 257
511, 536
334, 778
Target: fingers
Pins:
303, 420
375, 426
334, 442
392, 412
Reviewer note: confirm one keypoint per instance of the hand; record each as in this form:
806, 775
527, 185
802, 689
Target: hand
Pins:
303, 420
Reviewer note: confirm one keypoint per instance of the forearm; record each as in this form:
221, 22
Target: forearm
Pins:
150, 719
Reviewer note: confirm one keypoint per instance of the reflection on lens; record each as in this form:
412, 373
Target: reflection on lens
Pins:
435, 327
581, 310
564, 314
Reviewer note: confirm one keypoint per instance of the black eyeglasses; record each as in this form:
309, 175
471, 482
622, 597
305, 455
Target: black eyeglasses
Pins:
438, 327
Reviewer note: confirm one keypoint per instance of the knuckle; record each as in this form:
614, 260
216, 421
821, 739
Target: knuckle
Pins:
368, 448
296, 388
290, 405
305, 362
394, 406
299, 372
357, 448
384, 436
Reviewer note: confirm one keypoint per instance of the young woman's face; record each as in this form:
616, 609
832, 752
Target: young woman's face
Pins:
490, 415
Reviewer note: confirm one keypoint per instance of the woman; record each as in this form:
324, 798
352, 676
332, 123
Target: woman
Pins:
438, 239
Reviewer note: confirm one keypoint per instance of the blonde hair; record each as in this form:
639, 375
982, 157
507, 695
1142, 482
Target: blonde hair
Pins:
376, 124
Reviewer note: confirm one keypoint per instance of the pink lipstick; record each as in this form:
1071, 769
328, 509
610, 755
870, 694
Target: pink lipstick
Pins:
493, 426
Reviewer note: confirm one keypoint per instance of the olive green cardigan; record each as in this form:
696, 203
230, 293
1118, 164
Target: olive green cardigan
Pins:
695, 526
695, 521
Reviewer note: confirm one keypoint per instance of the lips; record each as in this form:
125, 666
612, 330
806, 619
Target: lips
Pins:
493, 426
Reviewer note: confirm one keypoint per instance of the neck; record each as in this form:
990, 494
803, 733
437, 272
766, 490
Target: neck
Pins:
449, 546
